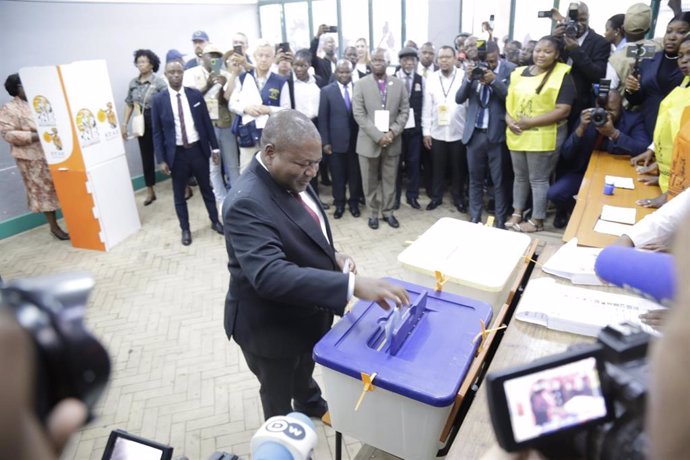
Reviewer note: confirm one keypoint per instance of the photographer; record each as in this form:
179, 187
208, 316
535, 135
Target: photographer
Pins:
586, 51
484, 132
613, 130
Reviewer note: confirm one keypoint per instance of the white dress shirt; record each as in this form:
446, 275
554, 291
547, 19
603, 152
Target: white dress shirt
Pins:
248, 93
307, 96
190, 129
440, 90
661, 226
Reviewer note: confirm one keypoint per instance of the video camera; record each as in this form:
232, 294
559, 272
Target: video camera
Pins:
478, 71
586, 402
600, 115
70, 362
639, 52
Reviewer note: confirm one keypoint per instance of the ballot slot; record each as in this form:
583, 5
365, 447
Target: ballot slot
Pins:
397, 325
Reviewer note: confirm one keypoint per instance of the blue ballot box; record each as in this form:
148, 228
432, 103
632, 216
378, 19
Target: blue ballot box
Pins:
418, 357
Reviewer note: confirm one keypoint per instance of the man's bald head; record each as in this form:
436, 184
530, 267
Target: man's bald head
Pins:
288, 128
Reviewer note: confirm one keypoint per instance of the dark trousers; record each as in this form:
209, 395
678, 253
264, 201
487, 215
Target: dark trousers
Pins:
447, 155
148, 162
427, 169
480, 154
411, 155
285, 379
191, 162
562, 191
345, 173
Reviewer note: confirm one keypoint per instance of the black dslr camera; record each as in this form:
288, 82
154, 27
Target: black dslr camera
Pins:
70, 362
599, 114
572, 26
587, 402
478, 71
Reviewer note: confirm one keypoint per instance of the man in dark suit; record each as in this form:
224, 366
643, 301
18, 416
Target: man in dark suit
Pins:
339, 138
587, 53
412, 134
324, 67
485, 132
623, 133
286, 278
184, 140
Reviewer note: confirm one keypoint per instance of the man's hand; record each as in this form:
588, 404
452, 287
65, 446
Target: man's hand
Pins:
328, 149
585, 120
215, 156
570, 43
237, 63
489, 77
654, 203
256, 110
469, 67
323, 28
346, 264
607, 129
380, 291
510, 122
220, 79
645, 158
654, 318
632, 84
648, 179
165, 169
427, 142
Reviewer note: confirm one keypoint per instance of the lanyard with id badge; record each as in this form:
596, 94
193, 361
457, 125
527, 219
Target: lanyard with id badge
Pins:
443, 111
382, 117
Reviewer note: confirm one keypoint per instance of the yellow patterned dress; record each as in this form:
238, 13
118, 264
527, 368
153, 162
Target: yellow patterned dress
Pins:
16, 127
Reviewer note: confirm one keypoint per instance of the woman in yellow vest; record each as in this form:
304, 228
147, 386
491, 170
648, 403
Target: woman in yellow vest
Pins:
539, 100
670, 159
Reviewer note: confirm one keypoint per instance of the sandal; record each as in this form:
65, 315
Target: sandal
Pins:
514, 220
529, 226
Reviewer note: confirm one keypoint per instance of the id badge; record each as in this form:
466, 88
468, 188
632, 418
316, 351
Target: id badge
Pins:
382, 120
443, 115
212, 105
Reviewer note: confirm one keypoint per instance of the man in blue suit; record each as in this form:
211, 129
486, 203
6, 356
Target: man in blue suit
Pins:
338, 131
184, 140
485, 133
623, 133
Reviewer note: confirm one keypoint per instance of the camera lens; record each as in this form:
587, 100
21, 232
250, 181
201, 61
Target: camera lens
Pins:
599, 116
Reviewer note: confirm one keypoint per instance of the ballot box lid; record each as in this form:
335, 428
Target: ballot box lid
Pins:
468, 254
421, 351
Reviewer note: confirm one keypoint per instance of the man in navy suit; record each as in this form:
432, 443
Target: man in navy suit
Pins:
338, 131
485, 133
623, 133
286, 278
184, 140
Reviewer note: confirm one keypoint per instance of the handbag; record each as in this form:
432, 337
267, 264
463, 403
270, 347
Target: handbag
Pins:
138, 123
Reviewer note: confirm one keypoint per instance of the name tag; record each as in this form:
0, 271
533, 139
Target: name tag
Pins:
410, 120
443, 115
382, 120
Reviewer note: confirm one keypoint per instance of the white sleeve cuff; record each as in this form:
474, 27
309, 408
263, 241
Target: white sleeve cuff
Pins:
350, 286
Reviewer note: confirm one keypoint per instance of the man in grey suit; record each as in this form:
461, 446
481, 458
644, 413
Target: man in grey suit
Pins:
381, 108
485, 132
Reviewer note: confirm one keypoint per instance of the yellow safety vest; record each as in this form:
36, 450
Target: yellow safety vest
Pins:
680, 167
667, 126
523, 100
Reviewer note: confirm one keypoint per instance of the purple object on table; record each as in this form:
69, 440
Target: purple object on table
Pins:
608, 189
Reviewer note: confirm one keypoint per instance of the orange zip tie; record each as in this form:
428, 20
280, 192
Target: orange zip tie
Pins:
440, 280
529, 259
483, 334
368, 386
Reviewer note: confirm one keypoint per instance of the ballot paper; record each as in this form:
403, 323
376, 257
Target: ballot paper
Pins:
382, 120
574, 263
620, 182
619, 214
580, 310
611, 228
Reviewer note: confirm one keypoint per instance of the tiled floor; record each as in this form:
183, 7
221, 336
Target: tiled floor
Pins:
158, 307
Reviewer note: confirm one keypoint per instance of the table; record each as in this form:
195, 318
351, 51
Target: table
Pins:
591, 198
522, 343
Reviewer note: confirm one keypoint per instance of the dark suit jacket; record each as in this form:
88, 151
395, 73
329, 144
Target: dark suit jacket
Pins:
650, 94
336, 125
322, 66
285, 283
163, 123
576, 151
497, 104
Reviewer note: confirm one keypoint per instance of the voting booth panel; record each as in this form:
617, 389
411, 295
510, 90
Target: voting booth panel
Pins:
391, 377
78, 127
467, 259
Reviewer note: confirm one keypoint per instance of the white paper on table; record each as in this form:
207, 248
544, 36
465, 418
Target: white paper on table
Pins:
574, 263
620, 182
611, 228
619, 214
382, 120
410, 119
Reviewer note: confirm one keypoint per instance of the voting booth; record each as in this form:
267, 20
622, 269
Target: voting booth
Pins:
391, 377
78, 127
467, 259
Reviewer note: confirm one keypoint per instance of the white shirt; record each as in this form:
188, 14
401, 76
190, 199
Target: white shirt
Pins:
249, 94
661, 226
307, 96
350, 88
190, 129
440, 90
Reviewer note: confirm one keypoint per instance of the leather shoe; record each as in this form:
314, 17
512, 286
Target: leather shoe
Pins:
433, 204
414, 203
325, 206
149, 200
373, 223
475, 220
461, 207
312, 410
186, 237
392, 221
339, 211
218, 227
60, 234
561, 220
354, 210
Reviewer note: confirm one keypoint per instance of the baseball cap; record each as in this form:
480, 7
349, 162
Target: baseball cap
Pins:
200, 35
173, 55
211, 48
407, 51
638, 19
